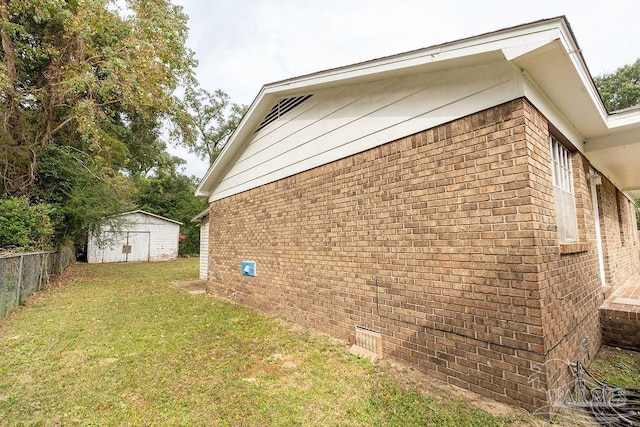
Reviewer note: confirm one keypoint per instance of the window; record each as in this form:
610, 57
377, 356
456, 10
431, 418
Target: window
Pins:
563, 193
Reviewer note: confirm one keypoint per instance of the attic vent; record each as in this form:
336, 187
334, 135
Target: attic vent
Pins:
282, 107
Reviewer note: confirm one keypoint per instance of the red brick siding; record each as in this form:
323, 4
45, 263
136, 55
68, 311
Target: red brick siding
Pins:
444, 241
620, 328
619, 236
621, 249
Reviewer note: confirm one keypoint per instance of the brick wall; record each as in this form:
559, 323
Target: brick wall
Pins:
620, 237
569, 282
620, 328
444, 242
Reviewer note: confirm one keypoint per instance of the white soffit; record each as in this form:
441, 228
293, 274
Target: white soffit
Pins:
616, 154
554, 72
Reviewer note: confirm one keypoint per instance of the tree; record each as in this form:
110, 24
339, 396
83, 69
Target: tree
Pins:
74, 73
84, 88
83, 190
620, 89
210, 120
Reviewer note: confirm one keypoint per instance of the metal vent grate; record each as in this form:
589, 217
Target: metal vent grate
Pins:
282, 107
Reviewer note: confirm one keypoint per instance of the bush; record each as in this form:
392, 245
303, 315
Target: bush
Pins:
23, 225
190, 245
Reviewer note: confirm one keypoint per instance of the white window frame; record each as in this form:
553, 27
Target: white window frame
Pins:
563, 192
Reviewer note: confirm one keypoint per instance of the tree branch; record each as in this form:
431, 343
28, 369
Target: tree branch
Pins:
7, 43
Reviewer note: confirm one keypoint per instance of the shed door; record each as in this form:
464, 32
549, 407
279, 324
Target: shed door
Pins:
138, 246
113, 252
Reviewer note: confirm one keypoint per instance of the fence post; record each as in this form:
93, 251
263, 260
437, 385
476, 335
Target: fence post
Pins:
19, 280
43, 259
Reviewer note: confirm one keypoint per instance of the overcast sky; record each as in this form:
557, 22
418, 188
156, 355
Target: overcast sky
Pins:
243, 44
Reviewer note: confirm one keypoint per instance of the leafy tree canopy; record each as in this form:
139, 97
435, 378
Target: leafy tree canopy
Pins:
84, 190
83, 74
208, 122
84, 90
24, 225
620, 89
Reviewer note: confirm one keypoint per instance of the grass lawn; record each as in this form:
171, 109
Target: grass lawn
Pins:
617, 366
118, 344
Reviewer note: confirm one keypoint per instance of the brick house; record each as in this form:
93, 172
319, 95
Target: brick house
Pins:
469, 203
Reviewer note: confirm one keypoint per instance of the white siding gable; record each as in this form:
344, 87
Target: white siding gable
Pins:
340, 121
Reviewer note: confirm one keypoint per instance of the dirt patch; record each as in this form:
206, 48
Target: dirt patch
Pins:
444, 392
193, 287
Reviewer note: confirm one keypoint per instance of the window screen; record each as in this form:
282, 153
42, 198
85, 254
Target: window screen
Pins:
563, 193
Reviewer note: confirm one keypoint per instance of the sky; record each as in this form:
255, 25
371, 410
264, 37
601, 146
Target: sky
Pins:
242, 45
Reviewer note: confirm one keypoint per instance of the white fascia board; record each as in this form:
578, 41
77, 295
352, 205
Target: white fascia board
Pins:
200, 216
575, 55
571, 66
514, 41
625, 119
141, 212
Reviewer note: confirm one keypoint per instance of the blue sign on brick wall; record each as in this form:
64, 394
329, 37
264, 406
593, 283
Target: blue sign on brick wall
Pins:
248, 268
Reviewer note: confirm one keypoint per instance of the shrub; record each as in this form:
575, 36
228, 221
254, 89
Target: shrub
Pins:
23, 225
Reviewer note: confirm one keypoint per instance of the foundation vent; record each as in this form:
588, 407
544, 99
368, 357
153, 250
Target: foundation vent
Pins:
367, 344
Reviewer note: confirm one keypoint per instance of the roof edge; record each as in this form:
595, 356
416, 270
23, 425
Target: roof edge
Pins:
150, 214
200, 216
366, 69
288, 81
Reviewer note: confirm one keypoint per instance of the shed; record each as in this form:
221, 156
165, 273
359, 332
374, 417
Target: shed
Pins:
133, 237
203, 219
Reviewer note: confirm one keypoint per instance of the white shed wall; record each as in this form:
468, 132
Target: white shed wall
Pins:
150, 238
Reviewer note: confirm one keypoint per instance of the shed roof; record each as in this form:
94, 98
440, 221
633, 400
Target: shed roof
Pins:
140, 211
551, 73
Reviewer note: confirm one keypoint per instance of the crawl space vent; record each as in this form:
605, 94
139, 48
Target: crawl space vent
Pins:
367, 344
281, 108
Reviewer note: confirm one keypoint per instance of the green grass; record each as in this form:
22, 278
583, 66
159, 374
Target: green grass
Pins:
119, 345
617, 367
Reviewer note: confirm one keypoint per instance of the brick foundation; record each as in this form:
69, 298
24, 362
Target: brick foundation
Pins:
444, 242
620, 328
